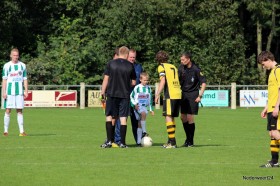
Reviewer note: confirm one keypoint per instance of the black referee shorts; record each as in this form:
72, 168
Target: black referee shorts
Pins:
188, 104
117, 107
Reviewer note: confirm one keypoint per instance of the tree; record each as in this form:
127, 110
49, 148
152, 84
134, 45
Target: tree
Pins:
264, 15
215, 39
66, 41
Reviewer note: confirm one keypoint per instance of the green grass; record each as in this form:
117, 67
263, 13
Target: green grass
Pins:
63, 148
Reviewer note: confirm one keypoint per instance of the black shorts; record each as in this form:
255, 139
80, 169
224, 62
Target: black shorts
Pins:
171, 107
188, 104
272, 122
117, 107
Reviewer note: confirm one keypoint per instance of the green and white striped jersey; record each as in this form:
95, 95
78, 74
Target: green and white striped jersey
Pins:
142, 95
15, 74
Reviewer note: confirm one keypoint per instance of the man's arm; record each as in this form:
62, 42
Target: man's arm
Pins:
160, 88
104, 85
276, 108
202, 89
25, 84
4, 86
133, 83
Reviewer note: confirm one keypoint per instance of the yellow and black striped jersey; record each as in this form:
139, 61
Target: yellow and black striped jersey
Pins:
172, 88
273, 87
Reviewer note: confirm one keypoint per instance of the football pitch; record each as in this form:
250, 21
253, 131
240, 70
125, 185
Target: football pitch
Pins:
63, 148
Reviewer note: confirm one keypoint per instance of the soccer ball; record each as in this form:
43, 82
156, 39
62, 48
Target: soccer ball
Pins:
146, 141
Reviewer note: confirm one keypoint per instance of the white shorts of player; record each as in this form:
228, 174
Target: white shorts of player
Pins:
138, 112
14, 102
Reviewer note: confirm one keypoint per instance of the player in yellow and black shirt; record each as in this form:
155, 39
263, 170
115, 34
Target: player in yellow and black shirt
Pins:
271, 111
169, 84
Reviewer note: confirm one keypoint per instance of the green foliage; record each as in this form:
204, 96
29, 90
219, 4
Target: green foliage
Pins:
68, 42
216, 41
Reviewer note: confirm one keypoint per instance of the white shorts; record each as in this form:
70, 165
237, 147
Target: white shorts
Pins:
14, 102
139, 111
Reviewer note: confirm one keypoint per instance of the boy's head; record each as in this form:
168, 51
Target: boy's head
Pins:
116, 53
144, 78
266, 59
14, 55
265, 56
162, 57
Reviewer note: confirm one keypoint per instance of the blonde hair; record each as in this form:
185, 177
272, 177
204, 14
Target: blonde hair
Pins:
144, 74
123, 51
15, 50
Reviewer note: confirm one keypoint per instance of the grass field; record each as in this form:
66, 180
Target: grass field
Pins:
63, 148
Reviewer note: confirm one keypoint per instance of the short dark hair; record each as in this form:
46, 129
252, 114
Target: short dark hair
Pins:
162, 57
187, 55
264, 56
132, 50
116, 52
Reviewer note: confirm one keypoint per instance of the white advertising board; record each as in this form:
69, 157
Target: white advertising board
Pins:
253, 98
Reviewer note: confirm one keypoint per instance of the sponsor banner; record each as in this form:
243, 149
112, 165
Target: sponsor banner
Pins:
94, 98
215, 98
253, 98
51, 98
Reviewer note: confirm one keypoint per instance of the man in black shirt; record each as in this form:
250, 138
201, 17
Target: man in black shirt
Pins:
191, 80
119, 76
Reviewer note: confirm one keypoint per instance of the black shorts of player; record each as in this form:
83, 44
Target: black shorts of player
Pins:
272, 122
188, 104
171, 107
117, 107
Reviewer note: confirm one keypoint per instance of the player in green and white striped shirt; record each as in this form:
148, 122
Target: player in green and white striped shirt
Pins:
14, 90
141, 98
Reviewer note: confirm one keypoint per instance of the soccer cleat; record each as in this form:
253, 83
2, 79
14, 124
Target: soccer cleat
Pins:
169, 146
145, 134
5, 134
188, 144
22, 134
270, 164
115, 145
123, 146
138, 145
106, 145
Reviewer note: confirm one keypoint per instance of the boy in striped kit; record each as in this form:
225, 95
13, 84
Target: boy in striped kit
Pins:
141, 98
14, 90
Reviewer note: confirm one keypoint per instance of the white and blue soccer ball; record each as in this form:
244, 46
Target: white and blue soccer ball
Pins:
146, 141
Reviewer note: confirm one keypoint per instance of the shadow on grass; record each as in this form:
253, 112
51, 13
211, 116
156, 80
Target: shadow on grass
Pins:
209, 145
41, 135
195, 146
